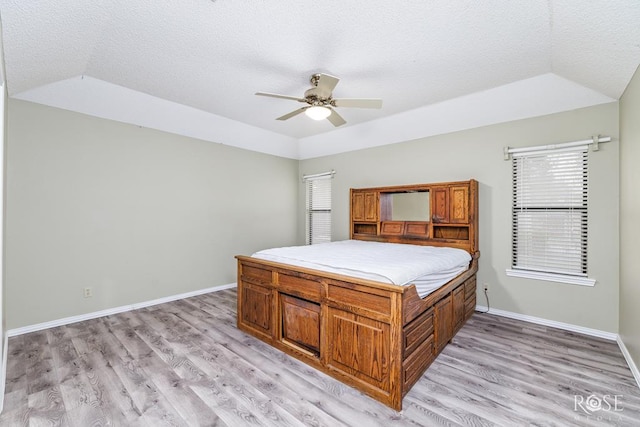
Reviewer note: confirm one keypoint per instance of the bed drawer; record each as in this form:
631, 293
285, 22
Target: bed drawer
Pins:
376, 305
470, 297
417, 228
257, 274
299, 286
470, 287
416, 332
392, 227
469, 306
414, 366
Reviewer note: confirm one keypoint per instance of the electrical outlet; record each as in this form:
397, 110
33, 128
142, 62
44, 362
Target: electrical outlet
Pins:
486, 287
88, 292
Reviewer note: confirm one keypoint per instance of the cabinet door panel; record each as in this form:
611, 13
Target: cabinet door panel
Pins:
459, 201
443, 322
458, 307
364, 206
440, 209
370, 206
359, 347
257, 308
357, 206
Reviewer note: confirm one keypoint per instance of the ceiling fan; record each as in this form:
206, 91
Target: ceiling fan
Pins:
321, 102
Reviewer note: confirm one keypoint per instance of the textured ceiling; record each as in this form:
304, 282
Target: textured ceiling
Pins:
211, 56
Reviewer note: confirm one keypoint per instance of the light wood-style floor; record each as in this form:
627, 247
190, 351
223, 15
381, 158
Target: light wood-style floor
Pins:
184, 363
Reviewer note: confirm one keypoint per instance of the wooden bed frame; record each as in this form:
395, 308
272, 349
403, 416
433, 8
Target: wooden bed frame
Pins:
376, 337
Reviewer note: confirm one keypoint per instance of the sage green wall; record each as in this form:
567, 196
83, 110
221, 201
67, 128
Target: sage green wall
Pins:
630, 218
477, 153
134, 213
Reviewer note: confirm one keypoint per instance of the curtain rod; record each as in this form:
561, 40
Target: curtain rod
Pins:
319, 175
594, 141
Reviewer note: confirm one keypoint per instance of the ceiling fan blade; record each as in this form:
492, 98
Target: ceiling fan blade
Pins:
336, 119
291, 114
326, 84
275, 95
357, 103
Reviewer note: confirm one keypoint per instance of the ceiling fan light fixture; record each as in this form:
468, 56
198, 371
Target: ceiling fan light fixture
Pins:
318, 112
319, 101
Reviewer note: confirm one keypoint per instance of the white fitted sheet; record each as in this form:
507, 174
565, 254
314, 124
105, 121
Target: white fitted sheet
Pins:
428, 267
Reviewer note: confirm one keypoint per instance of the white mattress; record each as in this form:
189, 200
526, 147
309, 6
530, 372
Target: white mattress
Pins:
428, 267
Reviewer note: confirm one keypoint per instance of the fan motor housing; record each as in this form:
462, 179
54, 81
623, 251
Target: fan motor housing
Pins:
314, 97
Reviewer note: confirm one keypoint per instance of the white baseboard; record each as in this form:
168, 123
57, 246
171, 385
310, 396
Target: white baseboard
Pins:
630, 362
3, 374
552, 323
115, 310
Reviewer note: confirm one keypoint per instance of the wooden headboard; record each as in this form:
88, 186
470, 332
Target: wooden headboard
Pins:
449, 216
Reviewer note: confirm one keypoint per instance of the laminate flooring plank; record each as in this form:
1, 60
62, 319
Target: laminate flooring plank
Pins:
155, 408
272, 385
567, 379
544, 392
571, 376
451, 400
246, 347
100, 338
133, 344
207, 381
86, 397
502, 403
417, 410
185, 363
519, 373
90, 384
80, 329
363, 406
63, 352
87, 415
496, 403
543, 367
66, 360
57, 335
46, 408
16, 400
225, 303
15, 418
187, 404
218, 363
535, 345
160, 367
240, 385
518, 351
40, 370
16, 375
551, 336
122, 403
347, 393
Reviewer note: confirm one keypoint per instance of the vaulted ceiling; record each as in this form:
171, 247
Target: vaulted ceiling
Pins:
192, 67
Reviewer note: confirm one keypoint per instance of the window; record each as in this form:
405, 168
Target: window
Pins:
549, 215
318, 208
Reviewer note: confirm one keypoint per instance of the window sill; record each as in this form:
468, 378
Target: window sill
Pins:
551, 277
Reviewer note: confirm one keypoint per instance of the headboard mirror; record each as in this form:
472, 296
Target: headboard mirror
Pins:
410, 206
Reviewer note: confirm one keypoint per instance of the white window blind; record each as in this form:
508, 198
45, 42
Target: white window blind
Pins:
550, 189
319, 208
